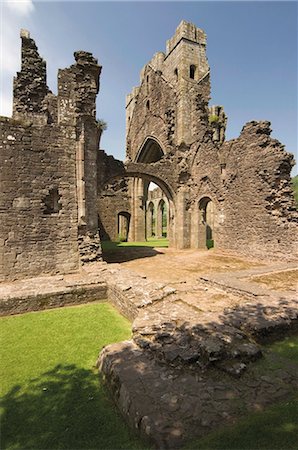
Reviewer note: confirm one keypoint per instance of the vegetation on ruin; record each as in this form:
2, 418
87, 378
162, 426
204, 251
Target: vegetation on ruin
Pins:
295, 188
101, 124
213, 118
53, 398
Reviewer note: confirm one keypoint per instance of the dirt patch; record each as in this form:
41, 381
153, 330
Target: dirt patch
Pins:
279, 281
170, 265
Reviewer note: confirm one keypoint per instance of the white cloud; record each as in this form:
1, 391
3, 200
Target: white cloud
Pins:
6, 105
14, 16
21, 7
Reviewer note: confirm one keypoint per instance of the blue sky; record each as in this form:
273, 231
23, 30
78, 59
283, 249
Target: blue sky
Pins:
251, 48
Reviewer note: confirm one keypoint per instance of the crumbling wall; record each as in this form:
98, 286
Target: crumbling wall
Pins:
38, 226
49, 160
113, 196
258, 212
238, 192
174, 86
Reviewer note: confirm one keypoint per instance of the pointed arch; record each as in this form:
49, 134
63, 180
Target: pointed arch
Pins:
150, 151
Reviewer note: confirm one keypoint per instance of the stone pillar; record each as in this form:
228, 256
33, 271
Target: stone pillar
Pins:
159, 220
182, 228
138, 210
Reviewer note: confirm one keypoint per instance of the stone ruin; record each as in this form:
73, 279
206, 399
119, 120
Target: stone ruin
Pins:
59, 191
61, 195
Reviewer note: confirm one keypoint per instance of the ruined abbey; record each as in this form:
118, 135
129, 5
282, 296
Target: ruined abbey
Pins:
60, 192
62, 196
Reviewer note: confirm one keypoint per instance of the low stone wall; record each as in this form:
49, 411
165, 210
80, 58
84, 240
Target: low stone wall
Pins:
70, 296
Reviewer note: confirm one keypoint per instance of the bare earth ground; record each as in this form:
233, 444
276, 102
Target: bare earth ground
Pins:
171, 265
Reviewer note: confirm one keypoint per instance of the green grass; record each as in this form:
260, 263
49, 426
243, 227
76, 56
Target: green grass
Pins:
151, 242
295, 188
52, 397
273, 428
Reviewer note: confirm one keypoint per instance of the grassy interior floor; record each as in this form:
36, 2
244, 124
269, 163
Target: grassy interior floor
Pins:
52, 395
54, 399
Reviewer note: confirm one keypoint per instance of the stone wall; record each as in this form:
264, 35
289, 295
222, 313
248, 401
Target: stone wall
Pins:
259, 214
214, 188
49, 160
165, 105
38, 201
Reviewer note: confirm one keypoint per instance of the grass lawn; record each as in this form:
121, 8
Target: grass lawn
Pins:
153, 243
54, 399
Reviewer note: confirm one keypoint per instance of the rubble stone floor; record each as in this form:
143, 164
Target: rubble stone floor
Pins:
196, 359
195, 362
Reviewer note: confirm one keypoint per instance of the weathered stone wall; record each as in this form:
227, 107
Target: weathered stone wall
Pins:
165, 105
113, 196
258, 211
38, 235
49, 177
114, 199
237, 194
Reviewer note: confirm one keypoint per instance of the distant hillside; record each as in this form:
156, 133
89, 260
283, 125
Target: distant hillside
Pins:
295, 187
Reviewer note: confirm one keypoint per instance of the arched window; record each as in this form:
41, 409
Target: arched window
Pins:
150, 152
147, 78
192, 71
148, 105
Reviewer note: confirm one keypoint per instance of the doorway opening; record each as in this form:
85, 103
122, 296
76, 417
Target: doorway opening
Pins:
207, 219
123, 226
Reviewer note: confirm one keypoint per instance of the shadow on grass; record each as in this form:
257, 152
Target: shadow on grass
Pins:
275, 428
65, 408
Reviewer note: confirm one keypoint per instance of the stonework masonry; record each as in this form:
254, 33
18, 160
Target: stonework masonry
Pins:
60, 194
59, 191
48, 219
214, 188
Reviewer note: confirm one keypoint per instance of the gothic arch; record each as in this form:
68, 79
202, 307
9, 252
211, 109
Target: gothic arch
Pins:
150, 151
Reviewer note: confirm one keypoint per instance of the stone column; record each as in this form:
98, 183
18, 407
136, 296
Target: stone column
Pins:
182, 219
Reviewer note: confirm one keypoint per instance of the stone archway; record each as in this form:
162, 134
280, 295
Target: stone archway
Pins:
206, 223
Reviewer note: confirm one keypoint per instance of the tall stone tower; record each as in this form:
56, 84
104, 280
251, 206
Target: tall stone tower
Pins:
175, 88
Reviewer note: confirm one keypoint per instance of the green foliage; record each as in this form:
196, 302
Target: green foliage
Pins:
52, 395
295, 188
209, 243
151, 242
213, 118
101, 124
